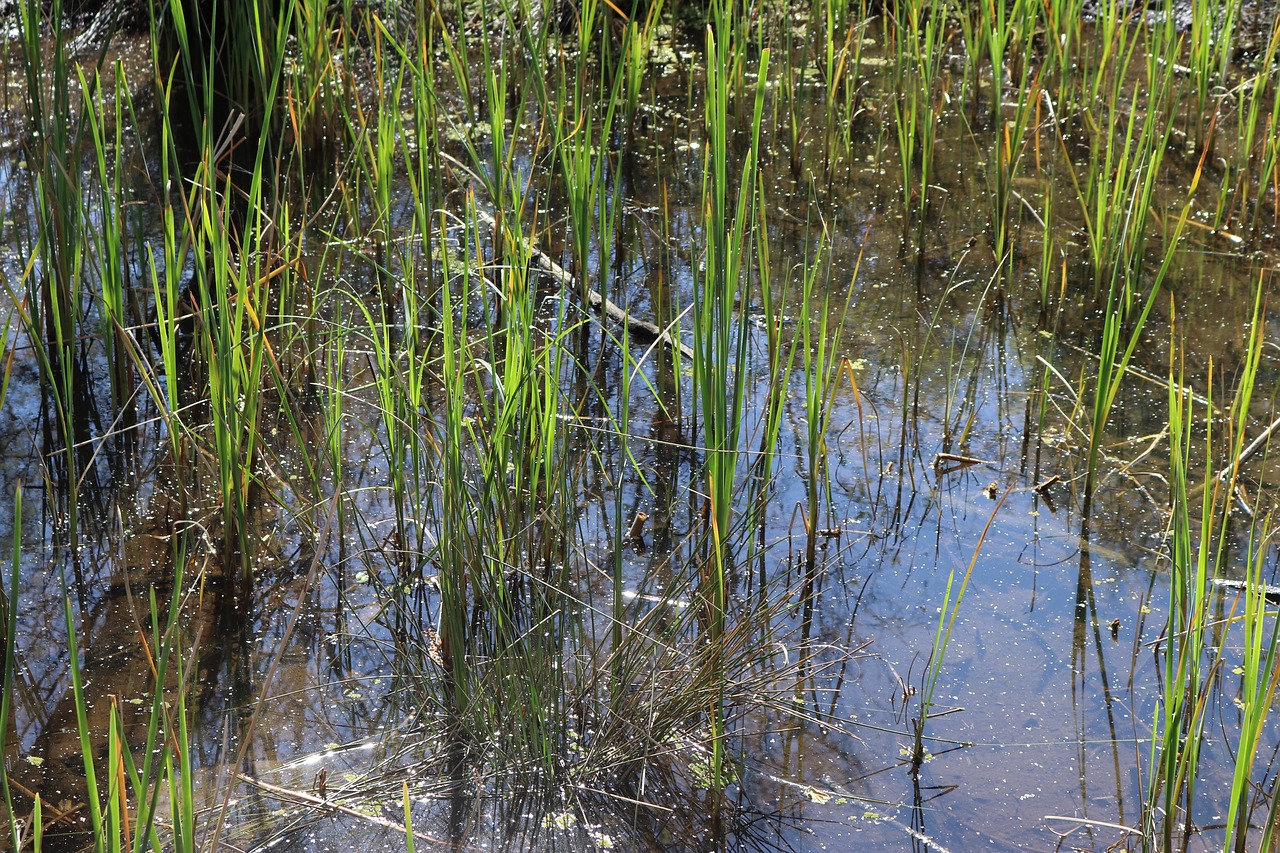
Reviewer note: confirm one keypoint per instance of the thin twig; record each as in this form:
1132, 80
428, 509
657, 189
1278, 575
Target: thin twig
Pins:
1084, 821
641, 328
1250, 451
307, 798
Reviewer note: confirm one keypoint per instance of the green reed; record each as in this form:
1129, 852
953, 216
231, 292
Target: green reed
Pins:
1114, 25
166, 278
1000, 34
226, 225
8, 689
1209, 43
842, 45
453, 557
637, 46
107, 240
134, 791
518, 505
128, 820
720, 362
232, 297
919, 38
376, 137
1009, 39
121, 797
1261, 646
1116, 200
1250, 166
834, 15
1180, 717
315, 87
55, 300
1259, 676
498, 448
1197, 553
474, 537
581, 143
1125, 314
1063, 23
505, 512
425, 177
1268, 175
398, 356
1121, 169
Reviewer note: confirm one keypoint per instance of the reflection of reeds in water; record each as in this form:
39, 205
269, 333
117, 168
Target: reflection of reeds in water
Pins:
50, 300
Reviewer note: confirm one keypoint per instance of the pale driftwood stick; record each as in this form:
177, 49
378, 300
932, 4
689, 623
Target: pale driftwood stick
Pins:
1250, 451
1082, 821
940, 458
638, 327
1272, 593
308, 799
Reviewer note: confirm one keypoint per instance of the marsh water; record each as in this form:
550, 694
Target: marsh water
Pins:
955, 457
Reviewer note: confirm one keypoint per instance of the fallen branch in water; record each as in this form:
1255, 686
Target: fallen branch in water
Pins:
639, 328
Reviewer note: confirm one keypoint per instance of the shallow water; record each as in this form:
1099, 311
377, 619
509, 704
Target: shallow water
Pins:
1040, 726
